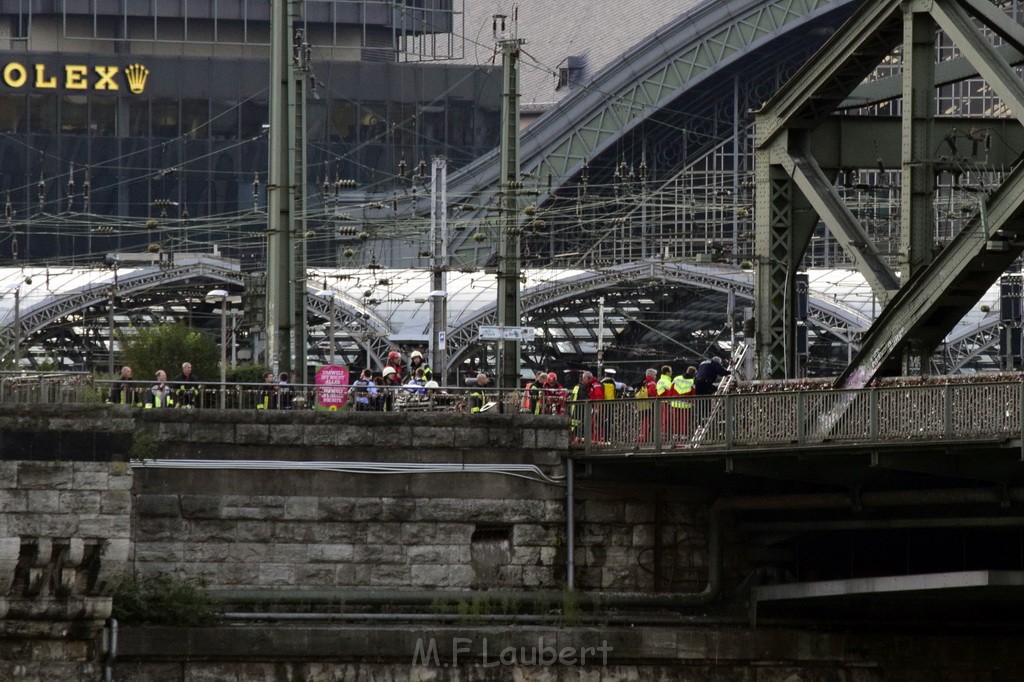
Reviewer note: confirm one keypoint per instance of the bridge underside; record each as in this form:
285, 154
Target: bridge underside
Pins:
912, 532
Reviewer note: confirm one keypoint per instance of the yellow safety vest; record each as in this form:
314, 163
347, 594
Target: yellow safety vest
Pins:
664, 383
682, 386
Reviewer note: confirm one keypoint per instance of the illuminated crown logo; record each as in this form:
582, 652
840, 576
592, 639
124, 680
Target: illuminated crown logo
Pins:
136, 74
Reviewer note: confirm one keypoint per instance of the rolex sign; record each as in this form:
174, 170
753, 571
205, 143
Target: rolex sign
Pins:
76, 77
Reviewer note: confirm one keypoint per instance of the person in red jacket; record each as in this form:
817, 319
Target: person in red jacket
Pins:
395, 362
595, 393
553, 395
648, 388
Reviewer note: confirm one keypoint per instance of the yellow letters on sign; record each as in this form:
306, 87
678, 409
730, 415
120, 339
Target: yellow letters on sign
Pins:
77, 77
74, 77
42, 81
15, 75
106, 81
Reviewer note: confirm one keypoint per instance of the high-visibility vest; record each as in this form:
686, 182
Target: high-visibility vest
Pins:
664, 384
476, 401
158, 401
682, 386
574, 415
529, 398
609, 389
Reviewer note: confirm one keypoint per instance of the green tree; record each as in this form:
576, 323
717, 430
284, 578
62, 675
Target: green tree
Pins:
165, 347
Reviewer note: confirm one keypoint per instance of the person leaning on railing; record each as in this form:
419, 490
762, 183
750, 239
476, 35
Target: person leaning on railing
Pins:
682, 385
477, 396
390, 382
124, 392
186, 387
266, 395
160, 394
645, 394
364, 392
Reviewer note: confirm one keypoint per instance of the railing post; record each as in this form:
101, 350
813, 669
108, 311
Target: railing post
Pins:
873, 413
947, 395
801, 416
1020, 417
730, 427
656, 424
587, 425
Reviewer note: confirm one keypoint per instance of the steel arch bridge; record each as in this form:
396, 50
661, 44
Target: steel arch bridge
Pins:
667, 102
827, 318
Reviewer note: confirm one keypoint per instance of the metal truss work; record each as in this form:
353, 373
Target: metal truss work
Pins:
361, 325
827, 318
967, 347
37, 320
938, 288
686, 53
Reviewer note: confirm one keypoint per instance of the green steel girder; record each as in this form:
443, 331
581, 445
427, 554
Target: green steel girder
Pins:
929, 306
949, 71
785, 223
817, 89
946, 72
840, 221
842, 142
1000, 76
783, 164
997, 20
934, 300
917, 228
589, 122
936, 293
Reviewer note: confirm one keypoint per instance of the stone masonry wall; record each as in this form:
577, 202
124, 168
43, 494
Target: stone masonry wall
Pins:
63, 546
337, 528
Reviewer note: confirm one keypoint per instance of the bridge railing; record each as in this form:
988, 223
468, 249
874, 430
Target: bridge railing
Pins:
938, 411
46, 387
890, 414
83, 387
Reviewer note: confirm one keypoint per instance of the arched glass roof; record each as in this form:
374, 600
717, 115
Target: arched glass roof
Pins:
651, 310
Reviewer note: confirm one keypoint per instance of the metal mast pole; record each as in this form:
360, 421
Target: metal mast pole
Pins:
297, 152
279, 217
439, 267
286, 338
508, 242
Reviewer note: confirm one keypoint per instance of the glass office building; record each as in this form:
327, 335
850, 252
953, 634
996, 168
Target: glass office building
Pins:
142, 124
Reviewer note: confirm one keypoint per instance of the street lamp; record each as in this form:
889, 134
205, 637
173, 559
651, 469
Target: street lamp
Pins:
221, 296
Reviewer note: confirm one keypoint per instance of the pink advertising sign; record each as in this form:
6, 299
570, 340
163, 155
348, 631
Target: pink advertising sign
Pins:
331, 387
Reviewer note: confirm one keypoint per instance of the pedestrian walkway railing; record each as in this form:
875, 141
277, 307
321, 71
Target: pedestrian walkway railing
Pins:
71, 388
933, 412
980, 408
46, 387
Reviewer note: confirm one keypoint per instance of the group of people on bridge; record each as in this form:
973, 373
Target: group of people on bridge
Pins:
397, 385
674, 410
184, 392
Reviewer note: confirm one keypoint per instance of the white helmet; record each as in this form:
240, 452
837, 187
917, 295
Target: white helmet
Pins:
415, 354
388, 371
431, 384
